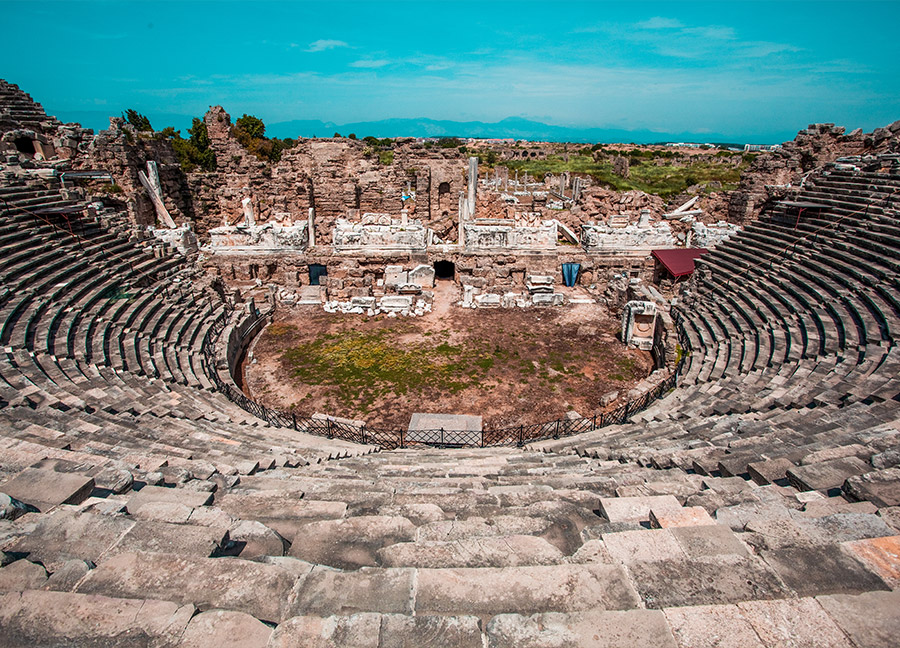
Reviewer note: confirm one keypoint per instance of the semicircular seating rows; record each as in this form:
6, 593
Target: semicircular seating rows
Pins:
757, 502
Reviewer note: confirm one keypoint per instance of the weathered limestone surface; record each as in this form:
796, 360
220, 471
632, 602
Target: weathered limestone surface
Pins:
260, 590
33, 618
47, 488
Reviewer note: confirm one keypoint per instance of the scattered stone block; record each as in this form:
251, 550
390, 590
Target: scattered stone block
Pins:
769, 472
175, 539
204, 582
22, 575
395, 303
67, 575
881, 487
325, 591
687, 516
881, 555
402, 631
67, 534
711, 626
42, 618
814, 570
869, 619
563, 588
357, 630
636, 509
713, 580
256, 539
825, 476
644, 545
11, 508
351, 542
794, 622
45, 489
182, 496
217, 628
594, 629
502, 551
709, 540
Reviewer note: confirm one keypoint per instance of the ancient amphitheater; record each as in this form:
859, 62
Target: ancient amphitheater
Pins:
747, 495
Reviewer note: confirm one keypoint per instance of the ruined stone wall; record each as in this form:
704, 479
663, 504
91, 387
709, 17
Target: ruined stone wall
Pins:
331, 175
812, 148
123, 151
358, 275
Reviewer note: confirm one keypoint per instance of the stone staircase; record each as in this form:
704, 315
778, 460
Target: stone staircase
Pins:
417, 547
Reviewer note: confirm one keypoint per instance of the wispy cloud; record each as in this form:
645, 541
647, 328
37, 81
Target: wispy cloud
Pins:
672, 38
370, 63
325, 44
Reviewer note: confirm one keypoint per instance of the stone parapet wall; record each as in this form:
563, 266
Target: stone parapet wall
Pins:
364, 275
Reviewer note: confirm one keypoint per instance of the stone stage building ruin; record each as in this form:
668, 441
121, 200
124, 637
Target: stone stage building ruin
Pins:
751, 496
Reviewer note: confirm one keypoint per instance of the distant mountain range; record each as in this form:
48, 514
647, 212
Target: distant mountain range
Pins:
511, 127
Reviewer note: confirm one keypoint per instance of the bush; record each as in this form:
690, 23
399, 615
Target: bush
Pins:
193, 152
252, 126
250, 133
139, 121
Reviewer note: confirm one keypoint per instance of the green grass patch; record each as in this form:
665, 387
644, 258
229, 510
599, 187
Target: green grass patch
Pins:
645, 175
364, 366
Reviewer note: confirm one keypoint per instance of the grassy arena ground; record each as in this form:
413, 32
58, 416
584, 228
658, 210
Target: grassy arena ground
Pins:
511, 367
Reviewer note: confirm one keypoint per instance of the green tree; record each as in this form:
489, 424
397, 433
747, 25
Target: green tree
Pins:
194, 152
252, 126
136, 119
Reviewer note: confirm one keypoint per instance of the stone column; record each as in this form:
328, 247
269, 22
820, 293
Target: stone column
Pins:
312, 228
473, 183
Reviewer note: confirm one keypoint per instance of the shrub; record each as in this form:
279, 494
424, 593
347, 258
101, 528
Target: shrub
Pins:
139, 121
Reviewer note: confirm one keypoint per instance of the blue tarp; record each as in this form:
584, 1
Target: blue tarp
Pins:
570, 273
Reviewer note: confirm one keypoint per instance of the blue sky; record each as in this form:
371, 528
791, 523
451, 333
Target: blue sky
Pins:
748, 70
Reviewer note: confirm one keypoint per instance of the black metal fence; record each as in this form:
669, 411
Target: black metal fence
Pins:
389, 439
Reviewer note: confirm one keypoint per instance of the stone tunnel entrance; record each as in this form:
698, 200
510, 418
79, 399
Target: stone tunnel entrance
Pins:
445, 270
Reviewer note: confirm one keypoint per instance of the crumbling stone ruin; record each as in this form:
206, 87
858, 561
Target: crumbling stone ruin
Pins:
753, 498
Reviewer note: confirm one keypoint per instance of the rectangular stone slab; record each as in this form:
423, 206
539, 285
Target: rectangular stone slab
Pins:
714, 580
67, 534
767, 472
561, 588
45, 489
230, 583
159, 494
712, 626
636, 509
33, 618
177, 539
327, 591
827, 475
794, 622
596, 629
871, 619
817, 570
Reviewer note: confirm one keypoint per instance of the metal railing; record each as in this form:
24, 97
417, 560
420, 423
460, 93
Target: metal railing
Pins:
389, 439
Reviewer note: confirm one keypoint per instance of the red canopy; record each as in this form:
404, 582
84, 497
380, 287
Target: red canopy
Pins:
679, 262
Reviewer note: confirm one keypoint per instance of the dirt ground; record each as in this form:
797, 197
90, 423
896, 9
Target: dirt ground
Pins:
509, 366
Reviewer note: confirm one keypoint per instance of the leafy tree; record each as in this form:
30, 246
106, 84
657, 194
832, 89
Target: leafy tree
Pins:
351, 136
252, 126
336, 135
136, 119
250, 133
193, 152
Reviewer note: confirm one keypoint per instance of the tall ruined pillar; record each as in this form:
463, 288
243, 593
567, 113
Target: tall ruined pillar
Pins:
473, 183
312, 229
